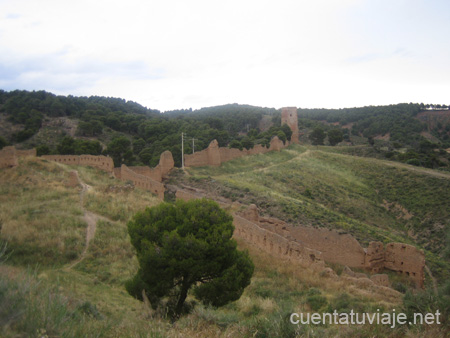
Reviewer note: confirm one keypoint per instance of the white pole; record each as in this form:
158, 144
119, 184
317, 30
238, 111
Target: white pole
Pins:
193, 145
182, 151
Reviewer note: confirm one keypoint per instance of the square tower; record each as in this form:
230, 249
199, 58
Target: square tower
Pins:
289, 117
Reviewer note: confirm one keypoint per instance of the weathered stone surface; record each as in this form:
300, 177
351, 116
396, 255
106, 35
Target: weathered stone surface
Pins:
8, 157
289, 117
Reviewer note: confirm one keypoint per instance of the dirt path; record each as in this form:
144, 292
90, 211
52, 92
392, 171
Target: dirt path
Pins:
89, 217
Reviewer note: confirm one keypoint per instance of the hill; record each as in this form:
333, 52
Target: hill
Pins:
74, 227
136, 135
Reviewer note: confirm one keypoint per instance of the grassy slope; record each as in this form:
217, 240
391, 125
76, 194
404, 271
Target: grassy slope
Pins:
319, 186
89, 299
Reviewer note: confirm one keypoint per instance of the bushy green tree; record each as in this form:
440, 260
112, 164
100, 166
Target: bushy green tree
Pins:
335, 136
184, 246
119, 149
317, 136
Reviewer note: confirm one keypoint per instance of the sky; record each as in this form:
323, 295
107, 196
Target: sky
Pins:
181, 54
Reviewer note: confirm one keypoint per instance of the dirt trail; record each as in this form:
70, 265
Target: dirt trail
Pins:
89, 217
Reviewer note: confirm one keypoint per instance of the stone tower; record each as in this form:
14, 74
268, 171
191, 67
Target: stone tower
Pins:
289, 117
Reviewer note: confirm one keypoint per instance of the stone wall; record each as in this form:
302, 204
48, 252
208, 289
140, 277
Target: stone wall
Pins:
405, 259
298, 243
166, 163
275, 244
8, 157
100, 162
289, 117
215, 155
247, 227
26, 153
141, 181
143, 177
335, 247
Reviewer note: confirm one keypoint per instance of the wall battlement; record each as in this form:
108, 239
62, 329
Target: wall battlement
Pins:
215, 155
100, 162
141, 181
310, 245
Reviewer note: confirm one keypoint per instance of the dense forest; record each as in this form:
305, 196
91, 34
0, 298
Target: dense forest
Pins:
134, 135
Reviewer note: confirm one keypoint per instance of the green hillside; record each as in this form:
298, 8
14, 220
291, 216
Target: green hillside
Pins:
137, 135
53, 283
324, 187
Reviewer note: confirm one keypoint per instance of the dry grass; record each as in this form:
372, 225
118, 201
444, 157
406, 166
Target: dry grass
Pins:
40, 217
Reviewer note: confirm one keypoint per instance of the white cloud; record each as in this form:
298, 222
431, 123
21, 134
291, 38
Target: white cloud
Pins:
181, 54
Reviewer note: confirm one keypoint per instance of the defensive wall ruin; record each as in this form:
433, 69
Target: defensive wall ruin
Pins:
101, 162
343, 248
215, 155
141, 181
143, 177
308, 245
250, 230
9, 156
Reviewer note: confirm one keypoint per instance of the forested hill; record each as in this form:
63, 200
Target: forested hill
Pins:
134, 134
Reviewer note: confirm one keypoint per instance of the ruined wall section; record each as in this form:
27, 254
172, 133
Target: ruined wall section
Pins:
289, 117
406, 259
374, 260
335, 247
215, 155
166, 163
100, 162
268, 241
141, 181
8, 157
64, 159
275, 244
26, 153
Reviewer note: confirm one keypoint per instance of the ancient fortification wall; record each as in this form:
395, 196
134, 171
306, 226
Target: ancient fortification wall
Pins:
142, 181
26, 153
275, 244
298, 243
289, 117
166, 163
215, 155
100, 162
8, 157
335, 247
406, 259
247, 227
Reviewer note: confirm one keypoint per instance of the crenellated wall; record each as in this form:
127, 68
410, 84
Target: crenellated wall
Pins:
275, 244
335, 247
283, 240
166, 163
143, 177
141, 181
100, 162
215, 155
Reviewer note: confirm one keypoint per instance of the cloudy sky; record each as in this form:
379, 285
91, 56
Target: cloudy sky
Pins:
170, 54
